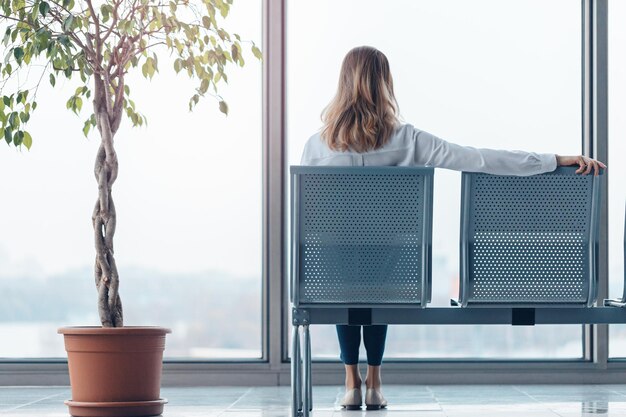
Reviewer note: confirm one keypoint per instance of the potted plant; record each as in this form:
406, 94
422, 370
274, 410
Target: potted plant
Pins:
114, 370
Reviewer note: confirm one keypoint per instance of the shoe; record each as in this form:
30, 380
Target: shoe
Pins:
352, 399
374, 399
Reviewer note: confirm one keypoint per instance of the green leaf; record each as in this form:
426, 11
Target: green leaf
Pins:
28, 140
204, 86
206, 22
67, 24
224, 107
257, 52
86, 128
44, 8
34, 11
178, 65
64, 40
6, 100
18, 137
18, 53
7, 135
234, 51
193, 101
106, 11
13, 120
129, 25
75, 103
42, 40
7, 36
52, 80
148, 68
19, 4
224, 7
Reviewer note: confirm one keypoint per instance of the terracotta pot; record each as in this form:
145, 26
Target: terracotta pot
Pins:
115, 371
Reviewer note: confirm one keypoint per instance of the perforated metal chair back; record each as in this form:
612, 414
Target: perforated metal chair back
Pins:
361, 236
529, 240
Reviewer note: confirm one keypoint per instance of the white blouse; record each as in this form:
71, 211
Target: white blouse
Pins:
409, 146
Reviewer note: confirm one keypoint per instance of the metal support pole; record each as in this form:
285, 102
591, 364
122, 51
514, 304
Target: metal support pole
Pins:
306, 358
296, 376
309, 364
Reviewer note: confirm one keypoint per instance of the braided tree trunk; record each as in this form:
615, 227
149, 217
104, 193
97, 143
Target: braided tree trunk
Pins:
104, 216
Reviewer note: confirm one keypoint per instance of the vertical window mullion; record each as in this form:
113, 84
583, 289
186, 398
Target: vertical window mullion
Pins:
595, 141
274, 143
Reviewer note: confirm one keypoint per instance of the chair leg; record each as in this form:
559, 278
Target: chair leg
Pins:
306, 359
310, 393
296, 379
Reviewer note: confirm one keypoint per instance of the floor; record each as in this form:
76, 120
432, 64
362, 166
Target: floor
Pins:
414, 401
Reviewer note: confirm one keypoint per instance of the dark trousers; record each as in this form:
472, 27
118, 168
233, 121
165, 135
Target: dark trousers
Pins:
350, 341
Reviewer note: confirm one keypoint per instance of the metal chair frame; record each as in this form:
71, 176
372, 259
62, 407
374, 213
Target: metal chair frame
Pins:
305, 314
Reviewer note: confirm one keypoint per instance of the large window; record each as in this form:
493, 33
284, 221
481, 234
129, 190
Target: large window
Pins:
617, 169
486, 73
188, 197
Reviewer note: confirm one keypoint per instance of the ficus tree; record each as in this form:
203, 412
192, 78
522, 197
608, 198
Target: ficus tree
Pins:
100, 43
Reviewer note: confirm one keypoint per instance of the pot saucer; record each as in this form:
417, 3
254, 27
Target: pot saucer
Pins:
116, 409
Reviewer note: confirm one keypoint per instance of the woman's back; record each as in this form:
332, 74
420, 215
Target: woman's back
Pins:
397, 151
409, 146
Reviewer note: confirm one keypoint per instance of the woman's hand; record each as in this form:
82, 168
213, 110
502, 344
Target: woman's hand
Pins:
585, 164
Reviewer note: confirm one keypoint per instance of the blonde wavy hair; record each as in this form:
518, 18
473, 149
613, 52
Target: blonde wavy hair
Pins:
364, 113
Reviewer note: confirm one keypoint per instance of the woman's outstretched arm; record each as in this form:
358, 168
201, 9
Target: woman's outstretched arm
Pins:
433, 151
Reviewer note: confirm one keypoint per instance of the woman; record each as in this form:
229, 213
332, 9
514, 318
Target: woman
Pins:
361, 127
